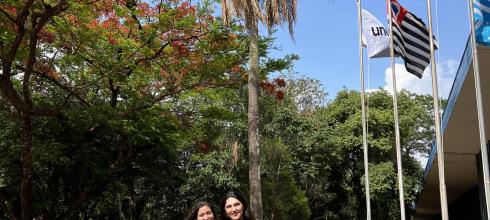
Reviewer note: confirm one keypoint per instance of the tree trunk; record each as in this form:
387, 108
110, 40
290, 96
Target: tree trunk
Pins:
24, 106
253, 122
26, 161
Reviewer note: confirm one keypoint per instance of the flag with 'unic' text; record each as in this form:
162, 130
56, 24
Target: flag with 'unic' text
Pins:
411, 39
377, 39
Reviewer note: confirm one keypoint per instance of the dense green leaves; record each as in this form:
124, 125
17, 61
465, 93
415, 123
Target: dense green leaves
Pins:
140, 110
283, 199
326, 145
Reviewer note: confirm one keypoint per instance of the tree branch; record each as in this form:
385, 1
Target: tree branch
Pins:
31, 60
8, 15
114, 93
10, 93
57, 83
8, 58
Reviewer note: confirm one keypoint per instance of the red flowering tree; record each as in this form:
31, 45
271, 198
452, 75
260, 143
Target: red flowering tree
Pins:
118, 58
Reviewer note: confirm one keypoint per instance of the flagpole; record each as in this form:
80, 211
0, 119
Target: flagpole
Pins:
479, 106
363, 110
437, 118
395, 115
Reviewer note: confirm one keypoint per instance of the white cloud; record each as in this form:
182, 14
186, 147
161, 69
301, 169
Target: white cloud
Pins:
371, 90
446, 71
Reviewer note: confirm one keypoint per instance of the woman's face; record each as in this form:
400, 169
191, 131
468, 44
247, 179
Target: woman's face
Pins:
205, 213
234, 209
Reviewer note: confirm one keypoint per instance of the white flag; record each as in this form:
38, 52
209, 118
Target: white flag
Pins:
376, 36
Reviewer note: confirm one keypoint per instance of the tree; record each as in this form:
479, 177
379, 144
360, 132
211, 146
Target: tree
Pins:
272, 12
86, 83
326, 150
23, 23
283, 198
308, 94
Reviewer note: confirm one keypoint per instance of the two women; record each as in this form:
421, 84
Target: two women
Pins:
233, 207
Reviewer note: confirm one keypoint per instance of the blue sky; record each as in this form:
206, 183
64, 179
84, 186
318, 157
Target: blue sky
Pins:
326, 40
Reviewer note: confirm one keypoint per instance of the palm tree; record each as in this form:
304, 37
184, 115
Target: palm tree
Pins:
272, 13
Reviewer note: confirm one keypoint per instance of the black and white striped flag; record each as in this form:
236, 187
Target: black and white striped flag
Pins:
410, 39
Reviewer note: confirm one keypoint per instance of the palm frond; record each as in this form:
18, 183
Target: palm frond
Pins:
245, 9
271, 12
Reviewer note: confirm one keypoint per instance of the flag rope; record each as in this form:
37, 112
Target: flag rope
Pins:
438, 58
369, 88
479, 105
437, 30
363, 114
437, 119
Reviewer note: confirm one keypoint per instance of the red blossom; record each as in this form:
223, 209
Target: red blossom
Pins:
268, 87
186, 9
74, 20
236, 69
192, 9
280, 82
123, 29
46, 36
93, 24
144, 9
280, 95
112, 41
203, 147
12, 10
274, 88
233, 36
110, 22
185, 5
176, 43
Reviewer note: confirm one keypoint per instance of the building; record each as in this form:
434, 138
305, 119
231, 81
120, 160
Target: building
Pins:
461, 143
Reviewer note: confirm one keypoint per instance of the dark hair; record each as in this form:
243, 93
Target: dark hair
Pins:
192, 214
239, 197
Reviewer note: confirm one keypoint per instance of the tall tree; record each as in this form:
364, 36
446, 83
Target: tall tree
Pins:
84, 84
326, 151
272, 13
27, 19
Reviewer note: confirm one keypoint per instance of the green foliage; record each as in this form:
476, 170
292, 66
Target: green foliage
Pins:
151, 116
119, 144
104, 157
10, 173
283, 199
327, 154
382, 177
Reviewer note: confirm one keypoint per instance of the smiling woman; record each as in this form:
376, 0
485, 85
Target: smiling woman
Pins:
202, 211
234, 207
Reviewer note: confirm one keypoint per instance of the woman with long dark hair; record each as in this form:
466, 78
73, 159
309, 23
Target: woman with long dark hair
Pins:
202, 211
234, 207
